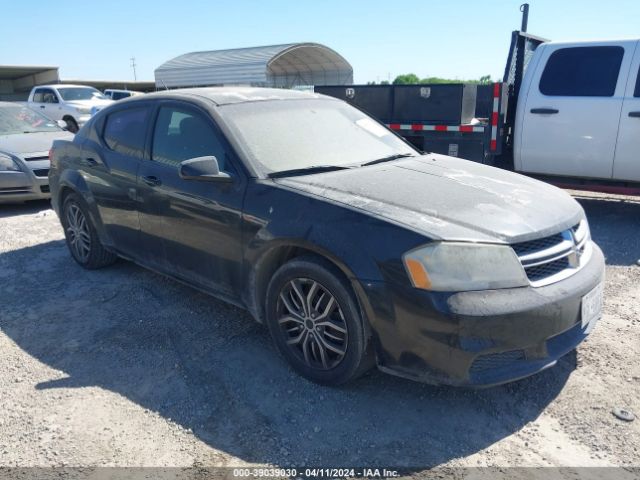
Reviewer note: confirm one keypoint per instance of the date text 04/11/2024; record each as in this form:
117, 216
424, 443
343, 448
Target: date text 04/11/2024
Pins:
315, 472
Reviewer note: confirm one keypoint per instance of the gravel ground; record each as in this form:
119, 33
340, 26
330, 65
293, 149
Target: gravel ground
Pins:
123, 367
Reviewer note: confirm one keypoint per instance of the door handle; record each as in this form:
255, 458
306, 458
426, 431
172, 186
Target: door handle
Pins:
90, 162
152, 181
41, 106
544, 111
634, 114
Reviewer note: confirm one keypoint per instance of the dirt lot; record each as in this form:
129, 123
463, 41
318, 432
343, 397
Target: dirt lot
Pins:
122, 367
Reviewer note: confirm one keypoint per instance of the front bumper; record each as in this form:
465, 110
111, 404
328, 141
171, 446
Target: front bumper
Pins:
18, 187
478, 338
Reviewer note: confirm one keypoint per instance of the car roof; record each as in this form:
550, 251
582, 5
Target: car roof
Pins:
233, 95
59, 85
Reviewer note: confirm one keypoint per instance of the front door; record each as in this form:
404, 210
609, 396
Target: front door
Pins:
46, 102
195, 223
626, 165
570, 123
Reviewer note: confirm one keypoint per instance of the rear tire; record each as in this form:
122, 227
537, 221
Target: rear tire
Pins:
315, 322
81, 235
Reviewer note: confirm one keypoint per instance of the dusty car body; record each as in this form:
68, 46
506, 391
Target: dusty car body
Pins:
350, 245
25, 140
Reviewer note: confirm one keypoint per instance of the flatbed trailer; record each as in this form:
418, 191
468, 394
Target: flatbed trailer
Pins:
470, 121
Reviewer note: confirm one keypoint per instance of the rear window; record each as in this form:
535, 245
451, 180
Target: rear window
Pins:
582, 72
124, 131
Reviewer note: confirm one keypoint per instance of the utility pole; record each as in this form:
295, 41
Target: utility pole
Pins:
133, 65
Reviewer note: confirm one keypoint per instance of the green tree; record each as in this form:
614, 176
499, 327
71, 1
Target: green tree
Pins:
406, 79
413, 79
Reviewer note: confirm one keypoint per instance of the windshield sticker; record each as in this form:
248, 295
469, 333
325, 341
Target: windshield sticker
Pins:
372, 127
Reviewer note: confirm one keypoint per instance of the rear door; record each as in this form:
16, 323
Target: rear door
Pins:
110, 168
196, 224
626, 165
572, 111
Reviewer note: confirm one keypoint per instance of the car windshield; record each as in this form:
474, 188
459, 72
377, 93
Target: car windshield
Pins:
286, 135
20, 119
70, 94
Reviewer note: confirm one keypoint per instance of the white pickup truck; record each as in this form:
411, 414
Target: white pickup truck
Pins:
578, 112
74, 104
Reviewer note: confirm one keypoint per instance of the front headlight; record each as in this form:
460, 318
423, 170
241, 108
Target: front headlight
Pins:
83, 110
7, 164
457, 266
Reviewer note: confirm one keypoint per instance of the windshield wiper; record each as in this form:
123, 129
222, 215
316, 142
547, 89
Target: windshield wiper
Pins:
388, 159
307, 170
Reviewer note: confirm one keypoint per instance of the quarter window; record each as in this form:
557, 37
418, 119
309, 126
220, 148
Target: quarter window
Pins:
181, 134
124, 131
636, 93
582, 72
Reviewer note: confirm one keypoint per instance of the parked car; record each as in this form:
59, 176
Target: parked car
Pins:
74, 104
114, 94
25, 139
351, 246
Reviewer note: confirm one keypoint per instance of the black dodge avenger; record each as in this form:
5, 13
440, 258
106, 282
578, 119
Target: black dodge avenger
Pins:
351, 246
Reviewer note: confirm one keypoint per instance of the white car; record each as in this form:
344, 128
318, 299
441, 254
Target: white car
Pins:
74, 104
114, 94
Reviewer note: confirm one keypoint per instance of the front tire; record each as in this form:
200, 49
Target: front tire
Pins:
72, 125
315, 322
81, 235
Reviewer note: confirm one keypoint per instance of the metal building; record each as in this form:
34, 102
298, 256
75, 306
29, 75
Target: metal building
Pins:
290, 65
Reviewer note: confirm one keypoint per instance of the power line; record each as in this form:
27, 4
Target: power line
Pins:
133, 65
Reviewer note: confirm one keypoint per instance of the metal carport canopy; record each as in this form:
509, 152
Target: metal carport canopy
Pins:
286, 65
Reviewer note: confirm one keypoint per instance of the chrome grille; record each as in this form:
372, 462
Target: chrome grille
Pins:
553, 258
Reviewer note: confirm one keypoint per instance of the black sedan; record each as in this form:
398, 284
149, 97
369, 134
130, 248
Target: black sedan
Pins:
351, 246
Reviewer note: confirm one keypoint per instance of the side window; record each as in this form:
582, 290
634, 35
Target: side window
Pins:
49, 96
181, 134
582, 72
38, 95
124, 131
636, 92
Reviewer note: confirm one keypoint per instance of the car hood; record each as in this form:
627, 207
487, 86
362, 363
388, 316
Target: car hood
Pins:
22, 144
90, 103
448, 198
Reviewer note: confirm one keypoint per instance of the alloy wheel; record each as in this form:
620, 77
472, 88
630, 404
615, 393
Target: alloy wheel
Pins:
78, 231
313, 323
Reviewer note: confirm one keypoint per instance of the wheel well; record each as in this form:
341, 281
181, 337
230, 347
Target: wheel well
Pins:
64, 191
68, 117
267, 266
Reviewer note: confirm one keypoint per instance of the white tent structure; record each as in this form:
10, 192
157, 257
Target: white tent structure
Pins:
290, 65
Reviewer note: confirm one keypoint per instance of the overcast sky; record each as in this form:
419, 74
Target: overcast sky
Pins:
457, 38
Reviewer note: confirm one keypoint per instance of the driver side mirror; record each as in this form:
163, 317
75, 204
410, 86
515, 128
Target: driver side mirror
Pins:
205, 169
